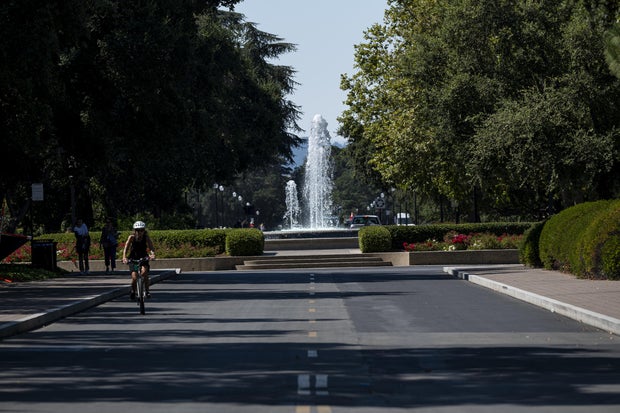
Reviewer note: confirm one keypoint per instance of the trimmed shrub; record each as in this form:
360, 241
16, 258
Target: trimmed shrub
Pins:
245, 242
168, 243
597, 254
529, 250
583, 240
375, 238
610, 258
195, 237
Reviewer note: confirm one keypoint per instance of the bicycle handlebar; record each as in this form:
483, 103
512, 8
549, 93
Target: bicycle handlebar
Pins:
139, 260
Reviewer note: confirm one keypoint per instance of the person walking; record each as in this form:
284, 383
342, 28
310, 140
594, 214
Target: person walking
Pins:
109, 243
82, 245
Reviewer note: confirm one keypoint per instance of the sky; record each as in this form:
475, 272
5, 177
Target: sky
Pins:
325, 32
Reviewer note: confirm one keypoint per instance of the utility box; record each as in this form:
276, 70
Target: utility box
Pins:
43, 253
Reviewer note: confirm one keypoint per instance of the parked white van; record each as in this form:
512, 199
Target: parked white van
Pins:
403, 218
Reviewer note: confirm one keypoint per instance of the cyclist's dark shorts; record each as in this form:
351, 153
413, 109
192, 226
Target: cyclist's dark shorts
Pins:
144, 264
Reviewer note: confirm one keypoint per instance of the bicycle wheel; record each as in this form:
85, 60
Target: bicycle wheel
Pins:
140, 293
142, 311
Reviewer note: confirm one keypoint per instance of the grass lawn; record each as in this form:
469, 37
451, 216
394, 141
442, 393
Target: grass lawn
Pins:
26, 272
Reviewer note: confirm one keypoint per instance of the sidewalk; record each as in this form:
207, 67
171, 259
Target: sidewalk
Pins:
31, 305
27, 306
592, 302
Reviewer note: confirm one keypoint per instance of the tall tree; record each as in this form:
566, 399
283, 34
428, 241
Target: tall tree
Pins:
612, 49
436, 79
137, 101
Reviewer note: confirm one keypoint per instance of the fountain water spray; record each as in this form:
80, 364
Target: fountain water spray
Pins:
292, 204
318, 181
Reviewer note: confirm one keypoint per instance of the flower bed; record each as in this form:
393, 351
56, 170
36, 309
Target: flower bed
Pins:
454, 241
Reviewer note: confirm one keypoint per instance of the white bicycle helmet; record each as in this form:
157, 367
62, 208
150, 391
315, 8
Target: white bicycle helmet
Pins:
139, 225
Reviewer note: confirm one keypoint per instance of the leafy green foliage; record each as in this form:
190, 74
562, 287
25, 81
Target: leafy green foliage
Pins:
26, 272
599, 248
127, 105
510, 99
351, 193
612, 49
573, 240
529, 249
422, 233
245, 242
374, 238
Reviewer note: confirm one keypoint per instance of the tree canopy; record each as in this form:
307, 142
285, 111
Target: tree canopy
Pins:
130, 103
509, 101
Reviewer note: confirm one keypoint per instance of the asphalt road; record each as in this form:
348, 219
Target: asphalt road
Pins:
352, 340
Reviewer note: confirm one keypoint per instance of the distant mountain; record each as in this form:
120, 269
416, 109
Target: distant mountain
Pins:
300, 153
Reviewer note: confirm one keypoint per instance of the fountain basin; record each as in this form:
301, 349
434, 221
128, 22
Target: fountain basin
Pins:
311, 233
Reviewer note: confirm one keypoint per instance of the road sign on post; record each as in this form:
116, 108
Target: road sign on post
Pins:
37, 192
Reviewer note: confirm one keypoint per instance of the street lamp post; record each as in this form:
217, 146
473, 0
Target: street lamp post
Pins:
221, 189
215, 189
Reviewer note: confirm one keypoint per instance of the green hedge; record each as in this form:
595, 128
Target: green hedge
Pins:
421, 233
584, 240
163, 240
529, 250
245, 242
374, 238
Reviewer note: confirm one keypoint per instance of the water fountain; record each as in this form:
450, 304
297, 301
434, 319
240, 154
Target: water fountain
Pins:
292, 205
317, 190
318, 180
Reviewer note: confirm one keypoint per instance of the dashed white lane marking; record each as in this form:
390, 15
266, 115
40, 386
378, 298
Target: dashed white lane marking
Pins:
308, 409
303, 384
306, 386
321, 385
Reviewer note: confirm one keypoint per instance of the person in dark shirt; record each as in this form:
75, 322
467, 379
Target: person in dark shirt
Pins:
139, 245
82, 245
109, 243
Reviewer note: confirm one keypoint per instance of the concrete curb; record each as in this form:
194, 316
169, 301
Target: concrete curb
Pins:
39, 320
606, 323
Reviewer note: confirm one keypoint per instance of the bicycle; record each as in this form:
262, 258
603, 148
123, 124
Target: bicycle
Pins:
136, 266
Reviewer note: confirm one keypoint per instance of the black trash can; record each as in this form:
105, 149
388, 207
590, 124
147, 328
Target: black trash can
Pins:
44, 253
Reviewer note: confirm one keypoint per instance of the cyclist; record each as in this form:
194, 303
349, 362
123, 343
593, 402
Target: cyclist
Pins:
139, 245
